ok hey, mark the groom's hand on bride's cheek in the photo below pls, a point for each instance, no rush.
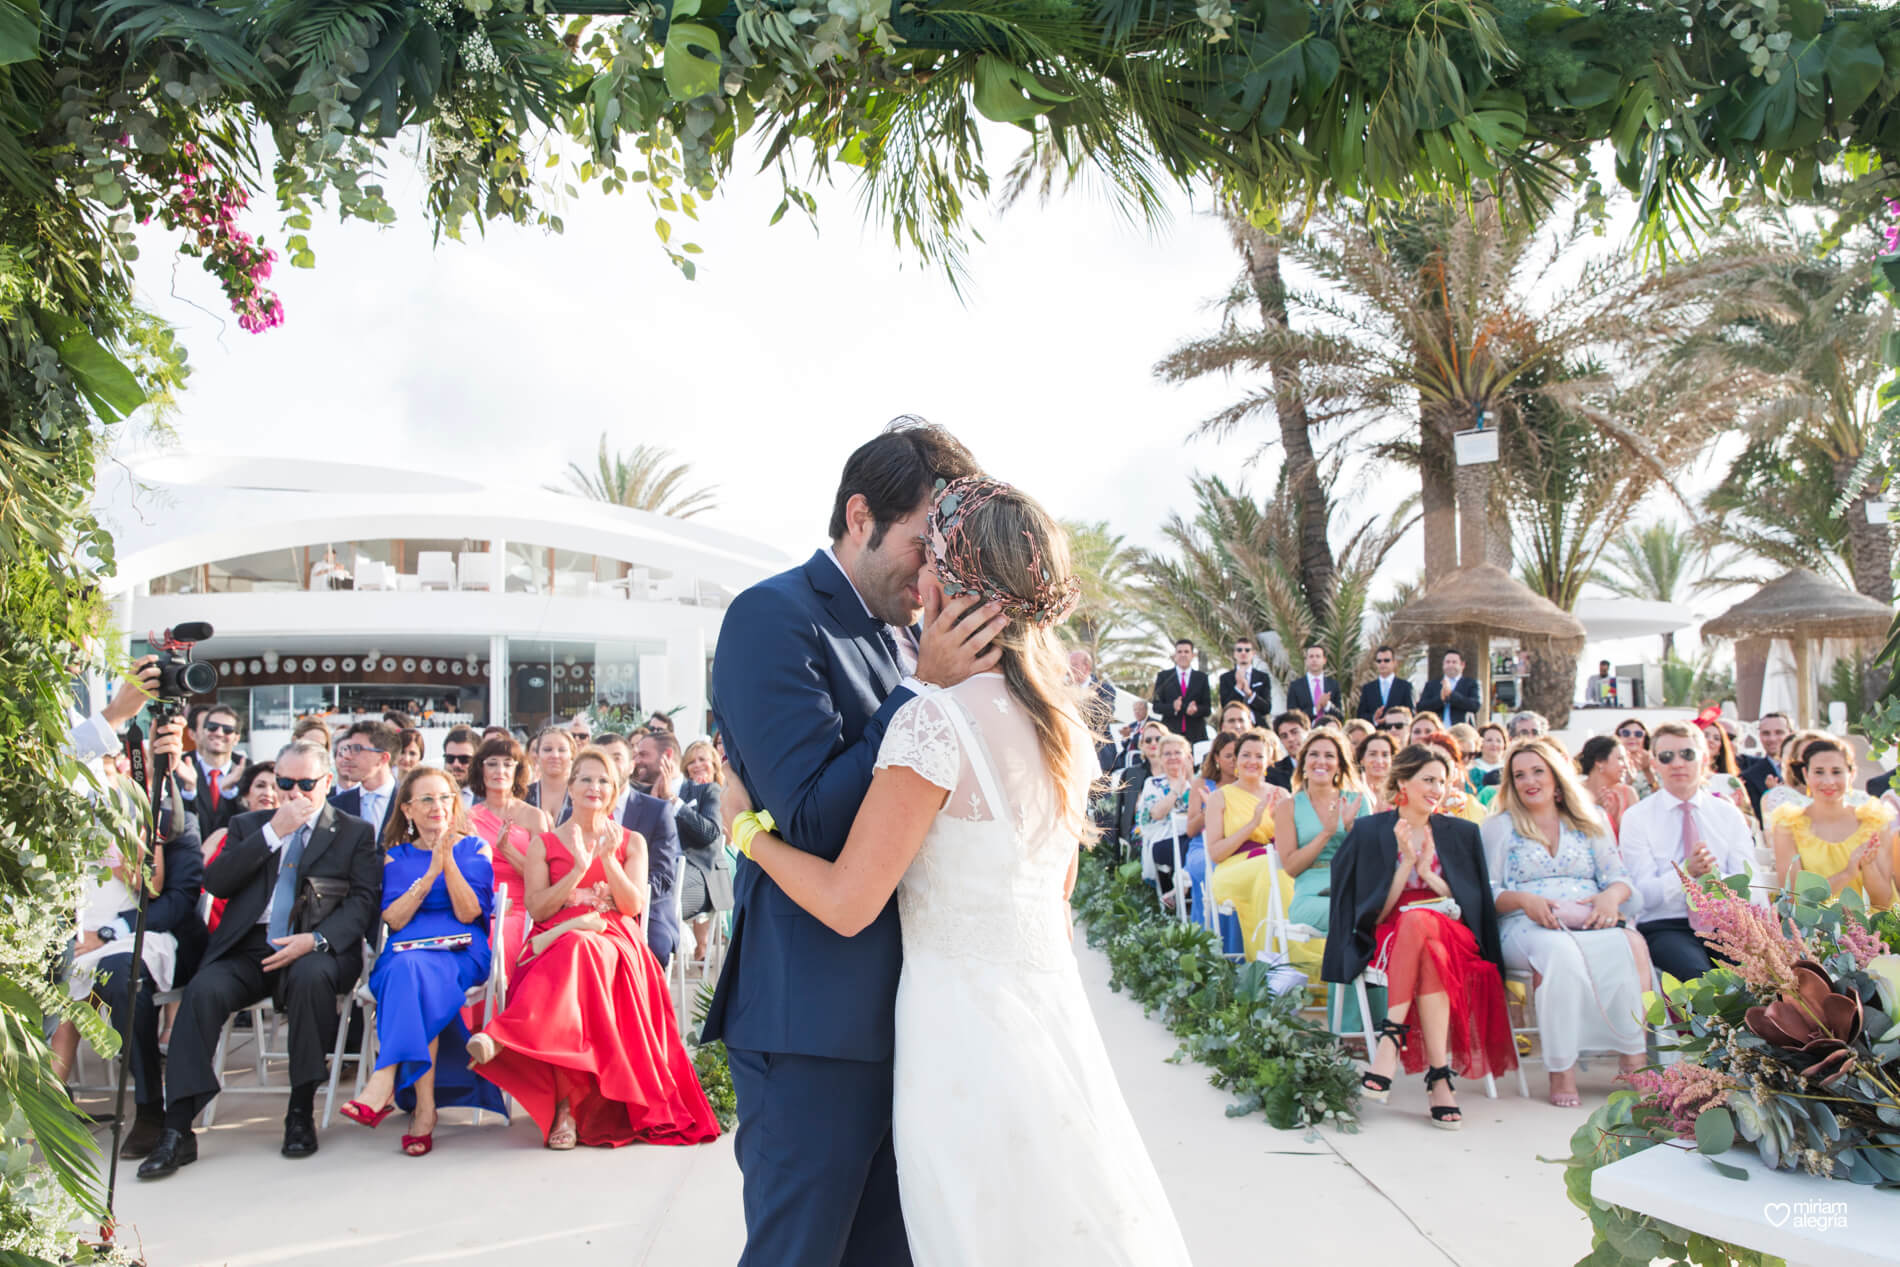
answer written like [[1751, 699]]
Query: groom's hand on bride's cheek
[[957, 642]]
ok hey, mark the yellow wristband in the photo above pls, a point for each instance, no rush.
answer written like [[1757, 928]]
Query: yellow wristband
[[748, 825]]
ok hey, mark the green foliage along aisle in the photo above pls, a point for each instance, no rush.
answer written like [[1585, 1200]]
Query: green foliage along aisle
[[1253, 1041]]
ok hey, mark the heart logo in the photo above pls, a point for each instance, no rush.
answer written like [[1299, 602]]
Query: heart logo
[[1777, 1212]]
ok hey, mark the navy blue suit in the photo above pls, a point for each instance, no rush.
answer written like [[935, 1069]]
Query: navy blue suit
[[653, 819], [803, 686], [351, 803]]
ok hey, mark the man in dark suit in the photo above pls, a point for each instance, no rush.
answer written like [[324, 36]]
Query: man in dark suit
[[1181, 696], [1763, 772], [811, 666], [210, 777], [173, 910], [367, 753], [1387, 690], [1290, 729], [1247, 683], [303, 885], [1454, 697], [652, 809], [1315, 693]]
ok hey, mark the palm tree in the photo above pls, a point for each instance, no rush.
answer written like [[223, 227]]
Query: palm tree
[[1652, 562], [1807, 314], [644, 477], [1236, 568], [1106, 622]]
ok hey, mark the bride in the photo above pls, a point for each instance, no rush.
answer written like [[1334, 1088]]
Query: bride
[[1013, 1142]]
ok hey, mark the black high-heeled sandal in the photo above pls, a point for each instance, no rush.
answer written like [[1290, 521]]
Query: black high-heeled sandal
[[1446, 1117], [1376, 1086]]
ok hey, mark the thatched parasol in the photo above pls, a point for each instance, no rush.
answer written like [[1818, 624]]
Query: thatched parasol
[[1801, 607], [1473, 604]]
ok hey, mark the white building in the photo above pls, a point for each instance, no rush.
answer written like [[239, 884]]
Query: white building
[[344, 591]]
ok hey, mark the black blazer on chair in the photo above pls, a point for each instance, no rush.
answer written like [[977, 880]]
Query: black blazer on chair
[[1362, 876]]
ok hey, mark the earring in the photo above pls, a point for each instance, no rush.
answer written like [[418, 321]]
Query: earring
[[1403, 798]]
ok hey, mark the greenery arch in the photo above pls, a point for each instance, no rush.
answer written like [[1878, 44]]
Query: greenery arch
[[116, 110]]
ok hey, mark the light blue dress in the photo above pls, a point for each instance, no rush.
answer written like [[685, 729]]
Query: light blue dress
[[1590, 997], [1312, 902]]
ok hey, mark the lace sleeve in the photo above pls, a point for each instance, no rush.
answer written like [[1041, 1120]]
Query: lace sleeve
[[922, 739]]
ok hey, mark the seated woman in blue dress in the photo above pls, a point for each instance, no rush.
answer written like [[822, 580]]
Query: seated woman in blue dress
[[438, 890]]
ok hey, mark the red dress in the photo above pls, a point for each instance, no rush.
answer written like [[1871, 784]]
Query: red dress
[[1479, 1040], [590, 1019]]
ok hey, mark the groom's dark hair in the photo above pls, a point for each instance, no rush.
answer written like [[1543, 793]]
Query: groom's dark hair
[[897, 470]]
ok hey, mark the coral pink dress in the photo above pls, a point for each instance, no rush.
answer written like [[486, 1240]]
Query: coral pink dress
[[513, 934], [590, 1020]]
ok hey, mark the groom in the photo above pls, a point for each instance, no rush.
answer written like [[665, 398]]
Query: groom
[[811, 666]]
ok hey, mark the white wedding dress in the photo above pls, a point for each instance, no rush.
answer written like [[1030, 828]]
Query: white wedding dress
[[1014, 1145]]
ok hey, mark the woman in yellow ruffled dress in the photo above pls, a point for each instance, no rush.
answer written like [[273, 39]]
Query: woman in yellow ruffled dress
[[1240, 840], [1849, 846]]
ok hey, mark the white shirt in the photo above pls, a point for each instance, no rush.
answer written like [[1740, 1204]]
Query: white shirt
[[1243, 681], [1652, 847], [906, 648]]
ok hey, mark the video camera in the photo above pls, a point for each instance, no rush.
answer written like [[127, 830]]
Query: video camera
[[180, 676]]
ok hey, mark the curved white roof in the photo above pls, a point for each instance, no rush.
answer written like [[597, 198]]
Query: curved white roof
[[170, 511]]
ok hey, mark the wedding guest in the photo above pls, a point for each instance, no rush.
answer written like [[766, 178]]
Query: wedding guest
[[1098, 704], [1423, 727], [1452, 697], [367, 754], [1851, 847], [1397, 722], [1724, 771], [1289, 729], [256, 790], [458, 758], [1134, 778], [1764, 772], [1526, 724], [312, 729], [507, 824], [587, 1042], [208, 779], [1560, 887], [1308, 828], [1216, 772], [1605, 771], [1387, 690], [1181, 695], [580, 729], [1355, 730], [1374, 756], [706, 869], [410, 750], [1455, 801], [1248, 685], [553, 754], [1236, 718], [1411, 893], [1644, 778], [1163, 815], [650, 807], [1681, 825], [1470, 748], [1240, 838], [1315, 693], [438, 893], [283, 935]]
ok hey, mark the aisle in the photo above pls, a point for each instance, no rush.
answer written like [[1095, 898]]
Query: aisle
[[1398, 1191]]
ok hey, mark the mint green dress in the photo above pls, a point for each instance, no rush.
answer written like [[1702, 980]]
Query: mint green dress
[[1313, 888]]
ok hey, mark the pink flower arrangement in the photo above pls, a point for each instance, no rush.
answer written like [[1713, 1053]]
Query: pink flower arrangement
[[1683, 1092], [1859, 940], [1893, 230], [205, 206], [1749, 936]]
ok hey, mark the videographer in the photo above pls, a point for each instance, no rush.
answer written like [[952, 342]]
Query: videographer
[[95, 732]]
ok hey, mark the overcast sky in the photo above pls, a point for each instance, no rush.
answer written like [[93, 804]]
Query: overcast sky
[[504, 358]]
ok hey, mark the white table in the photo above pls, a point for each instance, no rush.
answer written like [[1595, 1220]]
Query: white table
[[1802, 1218]]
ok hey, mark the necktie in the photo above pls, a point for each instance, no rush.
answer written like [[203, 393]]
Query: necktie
[[1449, 688], [1688, 831], [211, 779], [1183, 683], [284, 895], [890, 644]]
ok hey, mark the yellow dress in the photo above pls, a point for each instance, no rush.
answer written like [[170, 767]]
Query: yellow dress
[[1242, 880], [1468, 807], [1827, 857]]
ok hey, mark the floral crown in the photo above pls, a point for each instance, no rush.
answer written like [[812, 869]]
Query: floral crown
[[960, 565]]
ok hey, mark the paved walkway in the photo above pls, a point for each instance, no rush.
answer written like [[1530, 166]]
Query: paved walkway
[[1398, 1191]]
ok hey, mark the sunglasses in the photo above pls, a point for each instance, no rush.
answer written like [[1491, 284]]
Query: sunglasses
[[220, 728], [308, 785], [1395, 726], [1685, 755], [1631, 732], [461, 760]]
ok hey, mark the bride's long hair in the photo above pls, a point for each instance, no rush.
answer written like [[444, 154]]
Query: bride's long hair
[[1023, 551]]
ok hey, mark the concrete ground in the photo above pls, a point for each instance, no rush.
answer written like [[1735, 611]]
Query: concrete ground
[[1398, 1191]]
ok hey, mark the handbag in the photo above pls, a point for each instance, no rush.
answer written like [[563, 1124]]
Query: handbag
[[317, 899], [1575, 913], [1446, 906]]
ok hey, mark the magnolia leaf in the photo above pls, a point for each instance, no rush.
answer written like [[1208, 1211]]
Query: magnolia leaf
[[688, 71]]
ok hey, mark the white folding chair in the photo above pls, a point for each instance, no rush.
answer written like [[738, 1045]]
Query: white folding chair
[[264, 1025], [1374, 976], [435, 570], [1528, 1008], [676, 962]]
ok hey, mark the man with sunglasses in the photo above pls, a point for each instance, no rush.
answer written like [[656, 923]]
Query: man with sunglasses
[[1680, 825], [209, 782], [458, 757], [1396, 721], [303, 884], [1247, 683], [1385, 692]]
